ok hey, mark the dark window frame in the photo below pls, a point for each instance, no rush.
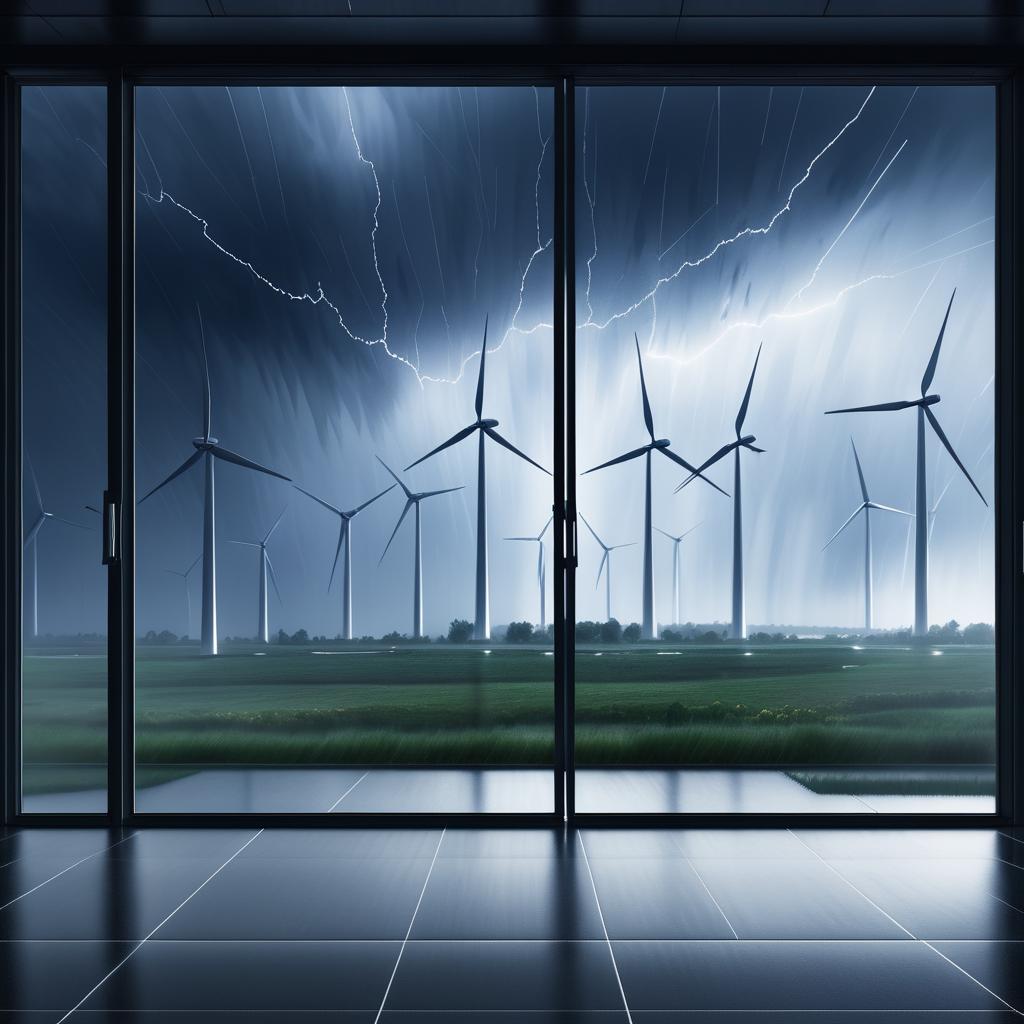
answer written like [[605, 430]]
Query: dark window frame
[[264, 67]]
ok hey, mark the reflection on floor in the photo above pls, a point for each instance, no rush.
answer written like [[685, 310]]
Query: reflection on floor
[[518, 926], [523, 791]]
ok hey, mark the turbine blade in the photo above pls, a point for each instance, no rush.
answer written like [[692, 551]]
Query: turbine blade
[[860, 508], [480, 378], [889, 508], [495, 436], [92, 508], [446, 490], [628, 544], [187, 464], [690, 530], [34, 529], [240, 460], [949, 448], [533, 539], [860, 472], [664, 533], [197, 560], [648, 415], [246, 543], [277, 522], [207, 400], [746, 395], [929, 373], [408, 504], [593, 532], [273, 577], [882, 407], [35, 481], [359, 508], [454, 439], [752, 447], [634, 454], [337, 551], [540, 536], [600, 568], [696, 472], [320, 501], [68, 522], [408, 493]]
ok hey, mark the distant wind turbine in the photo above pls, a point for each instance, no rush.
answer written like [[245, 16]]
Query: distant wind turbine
[[412, 500], [738, 630], [649, 625], [208, 448], [676, 540], [924, 414], [482, 621], [606, 562], [266, 568], [31, 547], [539, 541], [188, 597], [865, 506], [344, 538]]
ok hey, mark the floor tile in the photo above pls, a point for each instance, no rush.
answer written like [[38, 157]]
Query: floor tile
[[251, 976], [777, 899], [176, 843], [63, 844], [345, 843], [505, 1017], [53, 976], [793, 976], [656, 898], [912, 844], [999, 966], [508, 898], [742, 844], [825, 1017], [630, 842], [938, 899], [493, 976], [510, 842], [312, 899]]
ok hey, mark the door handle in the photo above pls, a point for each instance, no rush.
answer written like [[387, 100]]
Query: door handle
[[111, 534]]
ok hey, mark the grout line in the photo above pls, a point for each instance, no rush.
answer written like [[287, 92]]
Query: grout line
[[139, 945], [924, 942], [347, 791], [700, 878], [82, 860], [408, 932], [604, 927]]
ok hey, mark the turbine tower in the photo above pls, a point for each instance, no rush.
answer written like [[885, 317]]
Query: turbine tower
[[208, 449], [676, 540], [31, 548], [266, 568], [649, 625], [344, 538], [539, 541], [412, 500], [924, 416], [865, 506], [188, 597], [738, 629], [606, 560], [485, 427]]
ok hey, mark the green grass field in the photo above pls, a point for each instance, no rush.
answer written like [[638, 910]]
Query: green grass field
[[806, 703]]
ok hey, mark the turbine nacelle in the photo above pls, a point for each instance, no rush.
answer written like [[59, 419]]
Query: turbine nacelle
[[204, 444], [486, 423]]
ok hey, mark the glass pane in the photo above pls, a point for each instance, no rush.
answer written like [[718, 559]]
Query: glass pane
[[64, 452], [814, 639], [306, 634]]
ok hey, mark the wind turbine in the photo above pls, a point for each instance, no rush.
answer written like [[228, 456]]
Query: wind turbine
[[266, 567], [924, 415], [485, 427], [207, 449], [31, 547], [865, 506], [606, 560], [738, 631], [539, 541], [188, 598], [649, 626], [676, 540], [412, 500], [344, 538]]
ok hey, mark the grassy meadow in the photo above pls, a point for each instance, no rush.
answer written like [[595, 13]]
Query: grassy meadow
[[802, 704]]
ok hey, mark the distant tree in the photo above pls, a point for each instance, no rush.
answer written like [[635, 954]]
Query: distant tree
[[460, 631], [587, 632], [393, 637], [519, 632], [947, 634], [549, 632], [300, 636], [710, 637], [631, 634], [672, 636], [979, 633], [611, 632], [282, 637]]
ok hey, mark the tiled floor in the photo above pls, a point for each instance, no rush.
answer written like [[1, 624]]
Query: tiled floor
[[512, 926]]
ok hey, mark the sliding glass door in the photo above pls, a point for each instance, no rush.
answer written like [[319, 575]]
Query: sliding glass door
[[785, 351], [343, 517]]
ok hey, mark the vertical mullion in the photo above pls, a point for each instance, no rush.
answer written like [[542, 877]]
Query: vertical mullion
[[569, 142], [12, 460], [558, 477], [120, 444]]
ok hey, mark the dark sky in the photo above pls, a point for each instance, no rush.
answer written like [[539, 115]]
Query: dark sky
[[344, 248]]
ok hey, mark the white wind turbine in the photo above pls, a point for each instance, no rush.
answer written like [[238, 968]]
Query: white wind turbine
[[541, 582], [183, 576], [344, 540], [676, 541], [266, 569], [865, 506], [208, 449], [606, 564]]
